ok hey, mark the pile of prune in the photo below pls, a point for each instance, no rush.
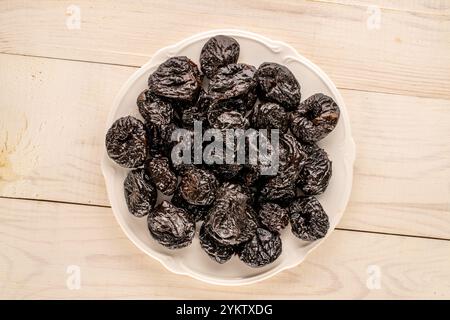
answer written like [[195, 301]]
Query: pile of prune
[[236, 208]]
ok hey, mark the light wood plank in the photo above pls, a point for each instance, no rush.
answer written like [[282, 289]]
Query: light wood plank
[[408, 54], [40, 240], [439, 7], [52, 127]]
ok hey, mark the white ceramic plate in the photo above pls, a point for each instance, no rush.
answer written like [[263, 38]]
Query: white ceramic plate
[[192, 261]]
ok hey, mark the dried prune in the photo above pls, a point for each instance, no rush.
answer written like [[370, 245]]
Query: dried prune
[[197, 212], [140, 192], [231, 220], [159, 171], [178, 78], [282, 187], [315, 118], [308, 219], [316, 172], [230, 120], [249, 175], [269, 116], [171, 226], [218, 252], [292, 157], [273, 217], [234, 85], [126, 142], [160, 138], [226, 172], [278, 189], [218, 52], [276, 83], [154, 110], [198, 186], [196, 112], [264, 248]]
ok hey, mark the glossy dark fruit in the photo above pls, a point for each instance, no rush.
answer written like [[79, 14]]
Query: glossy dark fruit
[[225, 172], [273, 216], [126, 142], [316, 172], [232, 82], [161, 174], [140, 192], [197, 212], [218, 52], [172, 227], [308, 219], [178, 78], [230, 120], [264, 248], [160, 138], [241, 104], [218, 252], [197, 111], [249, 175], [231, 220], [292, 156], [280, 189], [154, 110], [198, 186], [269, 116], [315, 118], [276, 83]]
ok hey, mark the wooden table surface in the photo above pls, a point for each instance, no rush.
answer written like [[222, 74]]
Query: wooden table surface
[[62, 63]]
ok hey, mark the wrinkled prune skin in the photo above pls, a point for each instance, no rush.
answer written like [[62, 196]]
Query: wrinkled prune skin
[[282, 187], [235, 81], [308, 219], [154, 110], [161, 174], [231, 220], [160, 138], [315, 118], [292, 157], [197, 212], [178, 78], [269, 116], [231, 120], [264, 248], [140, 192], [172, 227], [218, 52], [273, 216], [198, 186], [240, 104], [126, 142], [316, 172], [279, 189], [196, 112], [226, 172], [218, 252], [276, 83]]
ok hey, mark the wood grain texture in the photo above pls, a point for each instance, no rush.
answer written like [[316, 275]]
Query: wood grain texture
[[40, 240], [52, 135], [407, 55], [438, 7]]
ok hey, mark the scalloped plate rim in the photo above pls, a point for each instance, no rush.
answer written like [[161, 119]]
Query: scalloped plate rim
[[168, 262]]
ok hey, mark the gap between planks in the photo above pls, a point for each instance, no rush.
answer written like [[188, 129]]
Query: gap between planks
[[337, 228]]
